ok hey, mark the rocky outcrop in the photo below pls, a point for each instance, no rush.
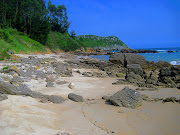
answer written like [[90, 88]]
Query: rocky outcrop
[[75, 97], [126, 98], [127, 59], [170, 76], [7, 88], [135, 68]]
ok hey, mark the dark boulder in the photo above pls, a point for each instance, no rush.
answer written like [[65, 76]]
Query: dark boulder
[[135, 68], [50, 84], [171, 99], [117, 58], [126, 98], [106, 98], [75, 97], [127, 59], [56, 99]]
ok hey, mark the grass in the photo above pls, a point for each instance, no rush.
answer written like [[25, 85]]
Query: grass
[[64, 42], [4, 68], [13, 41]]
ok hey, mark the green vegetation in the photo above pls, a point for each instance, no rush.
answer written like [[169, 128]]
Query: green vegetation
[[31, 17], [98, 41], [12, 41], [64, 42], [28, 26], [4, 68]]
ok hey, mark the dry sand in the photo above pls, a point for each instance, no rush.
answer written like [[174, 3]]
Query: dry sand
[[20, 115]]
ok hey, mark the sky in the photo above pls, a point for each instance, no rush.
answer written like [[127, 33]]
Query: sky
[[138, 23]]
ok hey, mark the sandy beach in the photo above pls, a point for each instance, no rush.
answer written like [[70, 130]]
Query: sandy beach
[[23, 115]]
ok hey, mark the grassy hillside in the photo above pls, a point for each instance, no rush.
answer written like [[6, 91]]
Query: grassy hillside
[[98, 41], [64, 42], [13, 41]]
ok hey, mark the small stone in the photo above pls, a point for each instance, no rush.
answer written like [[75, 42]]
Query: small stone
[[50, 84], [75, 97], [71, 86], [61, 82]]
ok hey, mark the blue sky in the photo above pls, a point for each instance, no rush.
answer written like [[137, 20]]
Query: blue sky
[[138, 23]]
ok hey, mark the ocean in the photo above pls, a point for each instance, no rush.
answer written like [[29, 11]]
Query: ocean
[[163, 55]]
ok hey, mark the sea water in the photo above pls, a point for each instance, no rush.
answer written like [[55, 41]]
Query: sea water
[[162, 55]]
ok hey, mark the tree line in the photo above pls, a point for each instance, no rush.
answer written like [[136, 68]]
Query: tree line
[[34, 18]]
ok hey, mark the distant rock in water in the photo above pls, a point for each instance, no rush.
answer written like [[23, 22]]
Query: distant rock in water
[[128, 50], [170, 51]]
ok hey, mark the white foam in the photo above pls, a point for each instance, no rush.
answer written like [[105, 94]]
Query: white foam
[[175, 62]]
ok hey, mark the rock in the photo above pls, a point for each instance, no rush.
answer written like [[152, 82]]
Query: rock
[[99, 74], [75, 97], [50, 78], [68, 73], [71, 86], [128, 50], [50, 84], [56, 99], [3, 97], [85, 74], [79, 72], [34, 61], [120, 75], [146, 89], [119, 82], [63, 133], [61, 82], [1, 79], [146, 98], [117, 58], [6, 77], [43, 100], [106, 98], [127, 59], [171, 99], [126, 98], [135, 68], [7, 88], [16, 80], [134, 78]]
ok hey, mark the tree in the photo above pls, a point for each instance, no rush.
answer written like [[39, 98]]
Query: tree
[[73, 34], [58, 17]]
